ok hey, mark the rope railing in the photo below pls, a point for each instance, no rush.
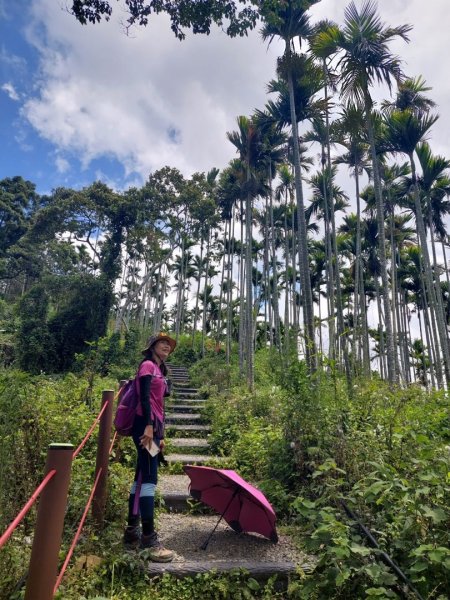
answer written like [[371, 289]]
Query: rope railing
[[89, 433], [26, 508], [77, 534], [113, 442], [21, 515], [52, 506]]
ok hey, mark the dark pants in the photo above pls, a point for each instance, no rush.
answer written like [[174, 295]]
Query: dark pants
[[146, 464], [145, 480]]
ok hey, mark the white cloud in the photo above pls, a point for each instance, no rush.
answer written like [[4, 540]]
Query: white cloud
[[62, 165], [147, 100], [10, 90]]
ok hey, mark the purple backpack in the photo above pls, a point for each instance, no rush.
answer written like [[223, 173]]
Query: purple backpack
[[126, 409]]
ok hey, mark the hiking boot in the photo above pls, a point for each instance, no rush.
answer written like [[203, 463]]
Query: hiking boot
[[131, 536], [155, 550]]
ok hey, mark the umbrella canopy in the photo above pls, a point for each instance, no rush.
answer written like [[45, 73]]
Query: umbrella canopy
[[244, 507]]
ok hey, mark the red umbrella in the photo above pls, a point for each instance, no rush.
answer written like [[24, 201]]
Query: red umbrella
[[243, 506]]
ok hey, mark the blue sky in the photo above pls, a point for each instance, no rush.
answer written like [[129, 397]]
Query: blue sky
[[84, 103], [25, 150]]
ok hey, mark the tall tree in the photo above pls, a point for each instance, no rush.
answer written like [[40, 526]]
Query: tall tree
[[404, 131], [289, 21], [365, 59], [248, 142]]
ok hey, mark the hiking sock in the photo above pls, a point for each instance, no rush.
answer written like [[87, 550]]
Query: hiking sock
[[147, 507]]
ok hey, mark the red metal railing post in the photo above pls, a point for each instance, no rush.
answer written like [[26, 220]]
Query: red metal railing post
[[104, 438], [49, 525]]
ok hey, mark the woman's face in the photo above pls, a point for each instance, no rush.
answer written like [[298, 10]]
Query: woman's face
[[162, 349]]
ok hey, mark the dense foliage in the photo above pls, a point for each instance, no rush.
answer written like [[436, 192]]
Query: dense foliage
[[315, 451]]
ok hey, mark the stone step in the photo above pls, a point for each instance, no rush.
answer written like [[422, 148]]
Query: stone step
[[174, 490], [189, 443], [188, 390], [184, 394], [193, 459], [190, 400], [182, 400], [178, 430], [186, 408], [182, 445], [187, 401], [174, 418], [184, 534]]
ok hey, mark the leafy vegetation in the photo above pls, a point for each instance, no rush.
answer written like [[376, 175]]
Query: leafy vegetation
[[316, 451], [322, 457], [320, 336]]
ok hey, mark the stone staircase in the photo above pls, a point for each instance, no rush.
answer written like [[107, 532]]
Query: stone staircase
[[186, 428], [182, 529]]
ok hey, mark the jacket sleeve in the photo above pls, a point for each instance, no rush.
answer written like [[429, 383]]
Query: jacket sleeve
[[145, 383]]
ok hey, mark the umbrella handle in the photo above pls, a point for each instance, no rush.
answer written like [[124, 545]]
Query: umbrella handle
[[208, 539]]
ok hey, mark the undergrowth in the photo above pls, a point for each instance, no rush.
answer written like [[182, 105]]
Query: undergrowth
[[328, 460]]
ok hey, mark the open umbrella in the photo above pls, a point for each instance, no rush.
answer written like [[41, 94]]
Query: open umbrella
[[242, 505]]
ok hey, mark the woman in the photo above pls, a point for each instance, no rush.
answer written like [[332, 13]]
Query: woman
[[148, 426]]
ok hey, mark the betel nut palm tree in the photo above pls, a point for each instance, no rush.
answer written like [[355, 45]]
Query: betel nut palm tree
[[289, 21], [350, 134], [404, 130], [248, 141], [365, 59]]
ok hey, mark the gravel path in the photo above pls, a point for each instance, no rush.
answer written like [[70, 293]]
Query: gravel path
[[184, 534]]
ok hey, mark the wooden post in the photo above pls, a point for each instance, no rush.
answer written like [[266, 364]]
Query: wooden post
[[104, 440], [43, 567]]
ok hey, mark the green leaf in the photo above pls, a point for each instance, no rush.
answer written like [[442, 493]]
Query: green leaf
[[380, 592], [437, 515], [361, 550], [253, 584], [375, 488], [342, 577], [419, 566]]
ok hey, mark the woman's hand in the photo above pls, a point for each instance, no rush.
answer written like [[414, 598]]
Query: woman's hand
[[162, 445], [147, 437]]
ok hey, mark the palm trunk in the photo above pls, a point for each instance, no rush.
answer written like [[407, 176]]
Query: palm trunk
[[445, 262], [305, 281], [435, 299], [286, 267], [230, 293], [266, 276], [383, 369], [197, 296], [242, 349], [294, 277], [219, 316], [330, 242], [392, 374], [274, 273], [249, 288], [360, 297], [205, 294]]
